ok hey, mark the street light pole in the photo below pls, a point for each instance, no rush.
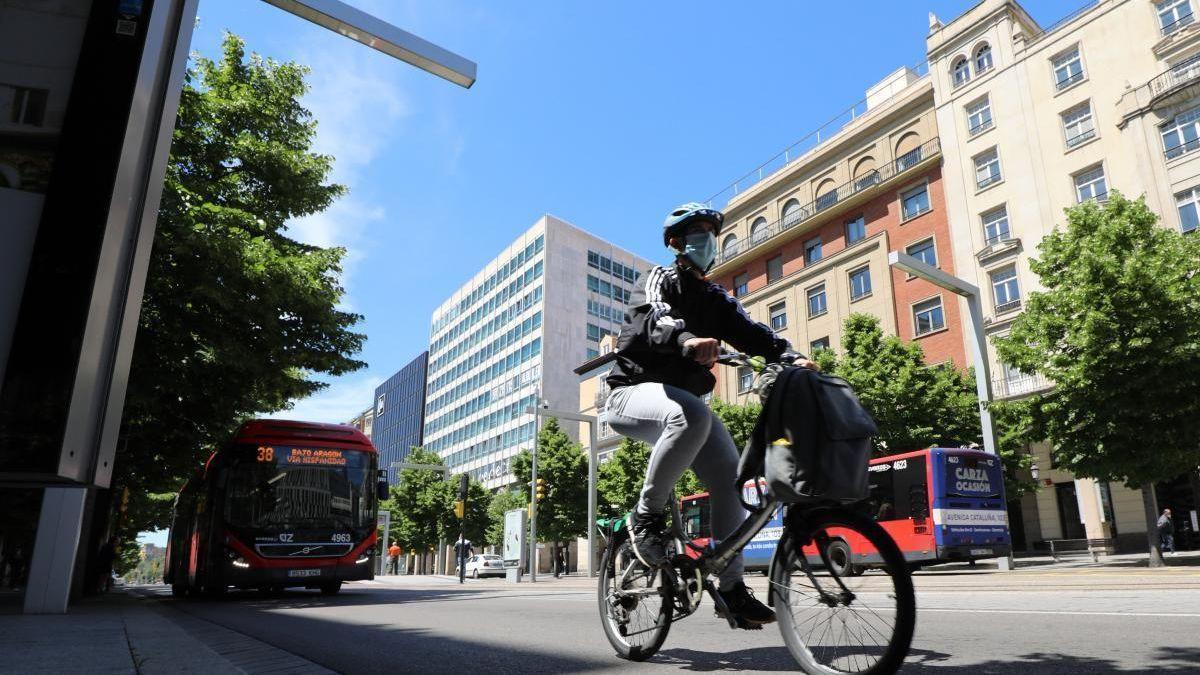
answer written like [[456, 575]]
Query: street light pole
[[970, 292], [592, 462], [983, 380]]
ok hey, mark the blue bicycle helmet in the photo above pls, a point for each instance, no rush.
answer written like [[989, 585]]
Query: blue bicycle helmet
[[683, 215]]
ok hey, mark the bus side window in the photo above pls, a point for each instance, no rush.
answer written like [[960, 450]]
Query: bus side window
[[918, 501]]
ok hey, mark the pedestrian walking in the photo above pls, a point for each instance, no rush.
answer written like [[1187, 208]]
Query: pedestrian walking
[[1166, 531], [562, 560], [393, 566]]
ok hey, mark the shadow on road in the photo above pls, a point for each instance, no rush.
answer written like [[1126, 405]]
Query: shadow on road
[[338, 639]]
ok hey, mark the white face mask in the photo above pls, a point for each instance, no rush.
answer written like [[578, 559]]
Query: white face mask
[[701, 249]]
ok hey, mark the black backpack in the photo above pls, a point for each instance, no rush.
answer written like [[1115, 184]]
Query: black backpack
[[812, 442]]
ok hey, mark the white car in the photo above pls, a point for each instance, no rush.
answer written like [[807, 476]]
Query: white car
[[485, 565]]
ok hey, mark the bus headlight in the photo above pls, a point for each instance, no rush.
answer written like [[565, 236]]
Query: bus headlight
[[240, 562], [363, 559]]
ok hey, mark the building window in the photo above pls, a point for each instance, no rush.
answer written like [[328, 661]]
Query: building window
[[1068, 69], [924, 251], [860, 282], [740, 283], [856, 230], [25, 106], [983, 59], [995, 226], [1005, 290], [778, 313], [979, 116], [379, 404], [1173, 15], [928, 317], [792, 213], [592, 353], [914, 202], [1090, 185], [1181, 134], [1189, 219], [1078, 124], [818, 345], [987, 168], [816, 301], [775, 269], [758, 232], [745, 379], [730, 247], [595, 333], [962, 71], [812, 250]]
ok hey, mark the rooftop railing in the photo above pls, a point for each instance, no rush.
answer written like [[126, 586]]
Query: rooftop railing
[[826, 200], [800, 148]]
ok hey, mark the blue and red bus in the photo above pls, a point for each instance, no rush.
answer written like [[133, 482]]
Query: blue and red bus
[[282, 504], [939, 504]]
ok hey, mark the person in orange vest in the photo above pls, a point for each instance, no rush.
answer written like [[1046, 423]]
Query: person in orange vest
[[393, 565]]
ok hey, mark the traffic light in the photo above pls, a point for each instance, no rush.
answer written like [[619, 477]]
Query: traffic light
[[459, 509], [541, 489]]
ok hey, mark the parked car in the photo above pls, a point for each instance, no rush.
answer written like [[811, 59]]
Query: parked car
[[485, 565]]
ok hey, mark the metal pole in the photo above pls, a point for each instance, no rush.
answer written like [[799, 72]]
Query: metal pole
[[533, 506], [983, 381], [591, 521]]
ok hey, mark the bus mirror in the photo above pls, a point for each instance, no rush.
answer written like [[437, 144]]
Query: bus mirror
[[381, 490]]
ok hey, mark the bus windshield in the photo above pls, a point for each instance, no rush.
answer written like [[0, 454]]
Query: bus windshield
[[276, 487]]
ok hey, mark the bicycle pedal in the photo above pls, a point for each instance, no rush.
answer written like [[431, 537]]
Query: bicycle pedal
[[748, 625]]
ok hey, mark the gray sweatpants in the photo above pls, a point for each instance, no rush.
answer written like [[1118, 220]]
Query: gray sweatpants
[[683, 432]]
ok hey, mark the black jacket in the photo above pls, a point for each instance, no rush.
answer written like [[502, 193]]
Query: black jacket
[[669, 307]]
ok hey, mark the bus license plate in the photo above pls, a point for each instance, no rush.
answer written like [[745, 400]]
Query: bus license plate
[[981, 551], [304, 573]]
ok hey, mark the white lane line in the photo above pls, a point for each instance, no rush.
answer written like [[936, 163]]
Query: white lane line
[[921, 610]]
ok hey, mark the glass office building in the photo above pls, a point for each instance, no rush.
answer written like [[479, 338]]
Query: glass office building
[[399, 413]]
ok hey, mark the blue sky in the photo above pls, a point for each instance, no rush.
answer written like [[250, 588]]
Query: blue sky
[[605, 114]]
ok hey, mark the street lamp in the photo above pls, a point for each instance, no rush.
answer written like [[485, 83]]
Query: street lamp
[[546, 411], [380, 35], [970, 293]]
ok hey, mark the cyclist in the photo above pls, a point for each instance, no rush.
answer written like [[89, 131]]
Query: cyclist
[[664, 357]]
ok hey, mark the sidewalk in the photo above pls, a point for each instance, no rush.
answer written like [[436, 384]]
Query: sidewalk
[[122, 633]]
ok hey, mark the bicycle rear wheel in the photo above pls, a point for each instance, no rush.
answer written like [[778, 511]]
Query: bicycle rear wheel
[[635, 603], [833, 622]]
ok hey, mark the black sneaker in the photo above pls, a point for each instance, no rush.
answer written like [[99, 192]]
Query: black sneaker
[[746, 608], [648, 540]]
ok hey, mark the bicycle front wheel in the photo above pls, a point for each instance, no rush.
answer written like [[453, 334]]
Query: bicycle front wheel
[[635, 603], [832, 621]]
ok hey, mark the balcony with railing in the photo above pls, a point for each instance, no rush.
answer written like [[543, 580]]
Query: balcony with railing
[[1017, 385], [1167, 86], [906, 162], [998, 244], [801, 148]]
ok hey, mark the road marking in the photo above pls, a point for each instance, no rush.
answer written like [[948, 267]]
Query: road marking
[[1175, 615]]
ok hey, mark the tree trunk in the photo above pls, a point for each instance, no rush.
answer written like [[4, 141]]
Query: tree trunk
[[1150, 506]]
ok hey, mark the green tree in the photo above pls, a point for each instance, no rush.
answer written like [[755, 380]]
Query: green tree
[[419, 503], [916, 405], [237, 316], [619, 480], [562, 515], [1117, 330], [503, 502], [738, 419]]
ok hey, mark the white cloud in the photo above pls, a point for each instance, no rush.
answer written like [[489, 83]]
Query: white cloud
[[338, 403]]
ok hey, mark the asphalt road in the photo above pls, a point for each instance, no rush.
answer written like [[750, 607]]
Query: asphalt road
[[1069, 622]]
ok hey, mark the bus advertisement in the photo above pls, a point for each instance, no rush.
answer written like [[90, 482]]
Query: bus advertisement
[[283, 504], [938, 504]]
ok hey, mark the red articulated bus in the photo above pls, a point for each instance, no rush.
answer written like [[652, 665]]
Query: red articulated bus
[[282, 504]]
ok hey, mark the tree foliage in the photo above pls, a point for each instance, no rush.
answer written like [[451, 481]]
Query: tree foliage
[[562, 515], [1117, 330], [502, 502], [619, 480], [739, 420], [237, 316], [422, 506]]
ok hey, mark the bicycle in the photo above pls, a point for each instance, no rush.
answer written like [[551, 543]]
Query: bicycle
[[811, 574]]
